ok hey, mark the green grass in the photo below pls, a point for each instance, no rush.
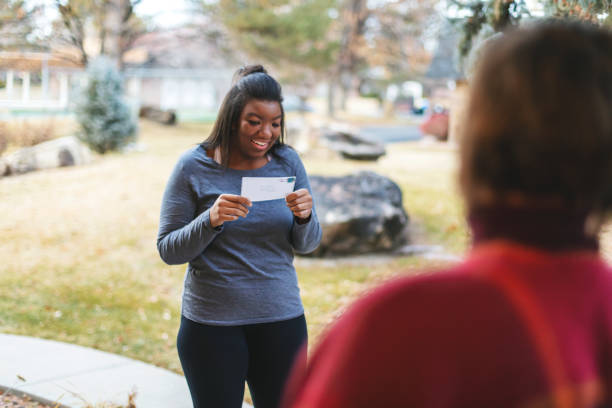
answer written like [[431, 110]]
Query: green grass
[[427, 178], [327, 289], [79, 262]]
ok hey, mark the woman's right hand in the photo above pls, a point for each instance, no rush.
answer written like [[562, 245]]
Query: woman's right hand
[[228, 207]]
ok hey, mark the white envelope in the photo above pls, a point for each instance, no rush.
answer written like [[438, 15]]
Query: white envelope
[[266, 188]]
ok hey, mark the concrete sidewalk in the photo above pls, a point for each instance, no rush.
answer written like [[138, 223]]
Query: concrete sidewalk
[[76, 376]]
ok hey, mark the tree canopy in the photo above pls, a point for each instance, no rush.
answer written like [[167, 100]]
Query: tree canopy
[[16, 24], [291, 36], [486, 17], [108, 24], [336, 40]]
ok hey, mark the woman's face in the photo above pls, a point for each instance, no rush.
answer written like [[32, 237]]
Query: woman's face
[[258, 129]]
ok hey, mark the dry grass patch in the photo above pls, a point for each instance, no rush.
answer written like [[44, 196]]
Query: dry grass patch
[[79, 257], [19, 133], [79, 262]]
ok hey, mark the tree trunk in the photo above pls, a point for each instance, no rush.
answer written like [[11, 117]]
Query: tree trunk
[[331, 88], [354, 16], [346, 80], [113, 23]]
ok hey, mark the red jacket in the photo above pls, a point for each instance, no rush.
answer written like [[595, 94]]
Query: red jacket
[[511, 326]]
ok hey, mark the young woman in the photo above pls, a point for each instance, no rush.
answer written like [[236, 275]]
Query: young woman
[[242, 316], [526, 319]]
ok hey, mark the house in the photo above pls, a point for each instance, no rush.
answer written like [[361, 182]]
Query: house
[[179, 69], [36, 80]]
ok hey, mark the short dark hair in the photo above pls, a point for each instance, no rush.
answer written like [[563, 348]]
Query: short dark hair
[[249, 82], [539, 120]]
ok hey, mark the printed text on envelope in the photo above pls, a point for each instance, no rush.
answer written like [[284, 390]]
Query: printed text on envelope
[[266, 188]]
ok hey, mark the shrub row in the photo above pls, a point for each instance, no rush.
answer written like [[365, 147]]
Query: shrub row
[[25, 133]]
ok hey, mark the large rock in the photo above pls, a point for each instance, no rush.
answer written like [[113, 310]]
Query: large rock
[[165, 117], [61, 152], [359, 213], [352, 146], [4, 168]]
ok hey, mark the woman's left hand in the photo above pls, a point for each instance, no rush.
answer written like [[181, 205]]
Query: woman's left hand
[[300, 203]]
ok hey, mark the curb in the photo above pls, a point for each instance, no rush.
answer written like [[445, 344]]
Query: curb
[[12, 391]]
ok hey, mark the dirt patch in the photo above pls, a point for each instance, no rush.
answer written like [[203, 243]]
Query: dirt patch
[[19, 400]]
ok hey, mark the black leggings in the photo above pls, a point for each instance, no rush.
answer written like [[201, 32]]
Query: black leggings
[[217, 360]]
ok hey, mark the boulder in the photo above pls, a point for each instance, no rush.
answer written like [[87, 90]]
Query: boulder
[[4, 168], [61, 152], [353, 146], [165, 117], [359, 213]]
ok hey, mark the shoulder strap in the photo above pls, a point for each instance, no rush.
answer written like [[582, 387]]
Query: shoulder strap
[[542, 335]]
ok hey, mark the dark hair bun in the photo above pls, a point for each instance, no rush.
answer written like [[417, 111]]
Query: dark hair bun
[[248, 70]]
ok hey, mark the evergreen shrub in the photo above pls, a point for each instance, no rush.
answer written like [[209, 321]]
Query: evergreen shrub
[[3, 138], [104, 116]]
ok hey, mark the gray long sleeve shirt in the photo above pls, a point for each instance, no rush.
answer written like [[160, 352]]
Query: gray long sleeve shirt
[[241, 272]]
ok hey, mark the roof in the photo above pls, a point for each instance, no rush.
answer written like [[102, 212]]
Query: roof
[[34, 61], [185, 47], [444, 64]]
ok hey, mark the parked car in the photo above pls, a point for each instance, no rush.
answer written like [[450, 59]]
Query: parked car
[[436, 125]]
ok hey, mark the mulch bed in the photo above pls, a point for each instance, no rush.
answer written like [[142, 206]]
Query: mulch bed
[[11, 400]]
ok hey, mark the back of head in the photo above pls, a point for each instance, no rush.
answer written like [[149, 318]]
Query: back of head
[[253, 82], [249, 82], [539, 121]]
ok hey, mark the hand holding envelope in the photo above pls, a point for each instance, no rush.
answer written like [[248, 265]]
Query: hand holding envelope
[[228, 207], [274, 188], [266, 188], [300, 203]]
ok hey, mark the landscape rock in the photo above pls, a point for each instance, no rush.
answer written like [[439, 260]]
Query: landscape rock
[[353, 146], [4, 168], [61, 152], [359, 213], [165, 117]]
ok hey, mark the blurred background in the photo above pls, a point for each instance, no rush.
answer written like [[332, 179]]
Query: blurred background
[[98, 98]]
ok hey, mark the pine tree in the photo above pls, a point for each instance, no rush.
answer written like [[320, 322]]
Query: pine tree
[[334, 40], [281, 32], [105, 119], [487, 17]]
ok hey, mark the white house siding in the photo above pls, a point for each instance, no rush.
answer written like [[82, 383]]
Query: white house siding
[[178, 89]]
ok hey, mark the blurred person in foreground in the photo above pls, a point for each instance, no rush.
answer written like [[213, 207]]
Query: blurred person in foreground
[[242, 315], [526, 319]]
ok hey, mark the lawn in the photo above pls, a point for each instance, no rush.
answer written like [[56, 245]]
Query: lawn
[[79, 262]]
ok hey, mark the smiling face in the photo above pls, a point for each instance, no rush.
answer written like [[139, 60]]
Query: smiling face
[[259, 127]]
